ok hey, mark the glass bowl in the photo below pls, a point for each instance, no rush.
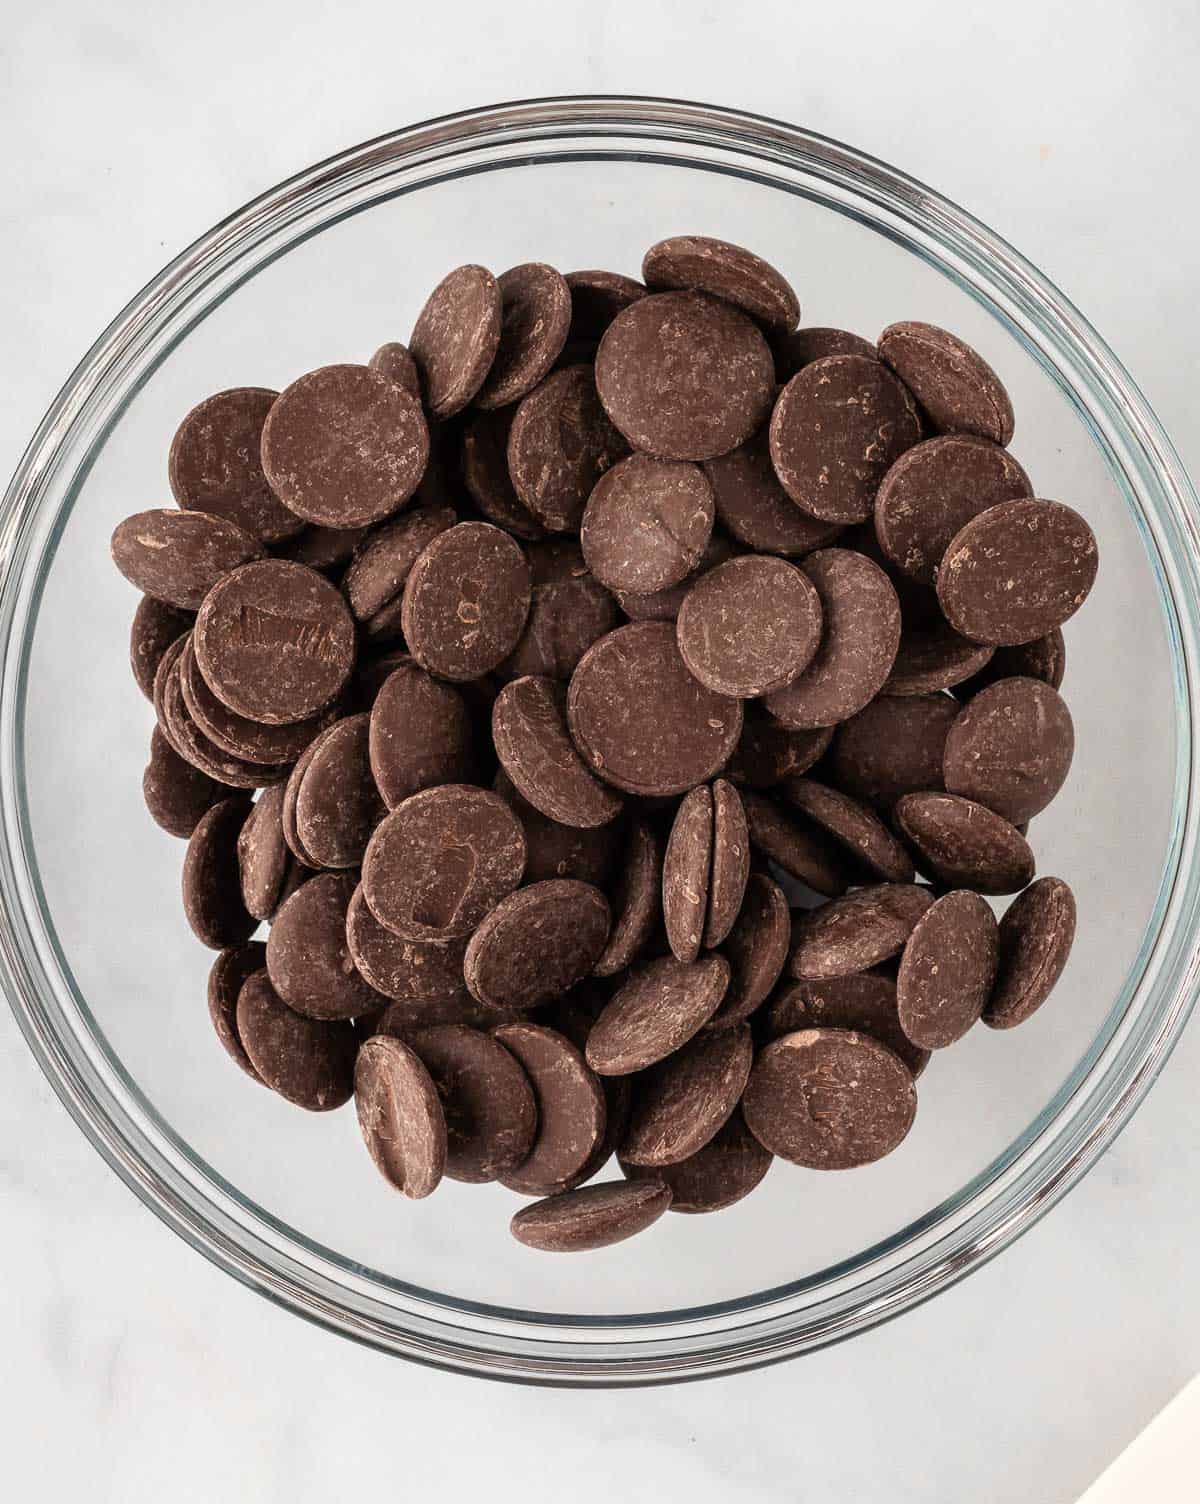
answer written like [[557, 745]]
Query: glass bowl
[[108, 984]]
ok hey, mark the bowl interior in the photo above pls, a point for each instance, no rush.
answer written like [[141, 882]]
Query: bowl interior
[[110, 878]]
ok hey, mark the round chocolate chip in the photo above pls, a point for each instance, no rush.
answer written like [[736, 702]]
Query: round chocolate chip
[[684, 376], [936, 488], [274, 641], [572, 1018], [571, 1109], [829, 1099], [308, 1061], [193, 746], [422, 974], [344, 446], [420, 735], [323, 548], [686, 871], [725, 1170], [1017, 571], [490, 1112], [569, 611], [933, 657], [803, 853], [441, 861], [229, 971], [752, 505], [853, 826], [395, 361], [947, 970], [537, 944], [593, 1216], [656, 1011], [663, 605], [861, 637], [837, 427], [383, 559], [307, 955], [297, 875], [865, 1002], [800, 347], [964, 844], [536, 314], [237, 735], [750, 627], [372, 673], [680, 1103], [554, 850], [756, 949], [177, 557], [485, 474], [647, 524], [400, 1115], [636, 901], [1011, 748], [264, 859], [529, 728], [403, 1019], [730, 863], [728, 272], [857, 931], [894, 746], [660, 743], [212, 894], [466, 600], [215, 464], [560, 444], [918, 603], [386, 628], [164, 674], [769, 751], [1035, 940], [176, 793], [953, 383], [455, 338], [1045, 658], [291, 793], [337, 803], [154, 628], [596, 299]]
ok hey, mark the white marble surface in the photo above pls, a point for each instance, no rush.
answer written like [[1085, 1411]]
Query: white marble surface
[[134, 1371]]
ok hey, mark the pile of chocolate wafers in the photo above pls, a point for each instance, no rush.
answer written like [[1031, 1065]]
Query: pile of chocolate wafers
[[620, 702]]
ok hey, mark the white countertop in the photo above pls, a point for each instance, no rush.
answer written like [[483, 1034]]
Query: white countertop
[[132, 1369]]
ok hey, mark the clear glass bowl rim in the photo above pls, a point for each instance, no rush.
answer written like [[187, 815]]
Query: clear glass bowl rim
[[920, 1260]]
